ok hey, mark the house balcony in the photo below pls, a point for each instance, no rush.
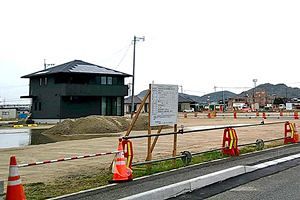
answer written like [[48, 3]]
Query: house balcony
[[93, 90]]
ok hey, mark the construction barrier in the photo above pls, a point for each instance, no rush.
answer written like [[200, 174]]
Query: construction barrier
[[15, 190], [209, 115], [230, 142], [18, 126], [296, 116], [240, 115], [21, 125], [120, 171], [293, 137], [234, 115]]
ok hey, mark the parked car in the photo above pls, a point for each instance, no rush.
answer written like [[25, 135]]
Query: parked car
[[188, 110]]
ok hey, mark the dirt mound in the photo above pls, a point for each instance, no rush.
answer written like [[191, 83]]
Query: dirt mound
[[97, 125]]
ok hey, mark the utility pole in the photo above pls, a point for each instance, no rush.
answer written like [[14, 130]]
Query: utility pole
[[135, 39], [181, 88], [254, 81]]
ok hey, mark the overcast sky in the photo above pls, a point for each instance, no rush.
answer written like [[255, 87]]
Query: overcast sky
[[196, 44]]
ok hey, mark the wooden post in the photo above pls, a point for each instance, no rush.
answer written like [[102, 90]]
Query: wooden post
[[175, 142], [138, 113], [155, 139], [149, 153]]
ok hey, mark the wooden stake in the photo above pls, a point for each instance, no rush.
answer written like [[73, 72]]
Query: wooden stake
[[155, 139], [175, 142], [149, 153], [138, 113]]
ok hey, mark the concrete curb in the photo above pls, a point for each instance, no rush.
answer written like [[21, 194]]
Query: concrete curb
[[189, 185], [202, 181]]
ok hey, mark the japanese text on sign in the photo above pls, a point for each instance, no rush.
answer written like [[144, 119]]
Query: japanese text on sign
[[164, 104]]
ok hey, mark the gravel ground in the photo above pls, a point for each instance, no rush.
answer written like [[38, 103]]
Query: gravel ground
[[194, 142]]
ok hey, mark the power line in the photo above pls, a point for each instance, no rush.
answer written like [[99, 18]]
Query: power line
[[125, 54], [115, 53]]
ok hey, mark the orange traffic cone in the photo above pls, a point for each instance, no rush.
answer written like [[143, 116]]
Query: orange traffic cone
[[15, 189], [121, 172]]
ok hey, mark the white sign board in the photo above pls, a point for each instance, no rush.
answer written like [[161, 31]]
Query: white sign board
[[164, 104], [289, 106]]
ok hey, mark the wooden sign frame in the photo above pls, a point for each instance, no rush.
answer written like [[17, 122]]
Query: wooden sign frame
[[150, 144]]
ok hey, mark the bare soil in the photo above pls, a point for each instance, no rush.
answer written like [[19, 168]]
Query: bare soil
[[194, 142], [96, 125]]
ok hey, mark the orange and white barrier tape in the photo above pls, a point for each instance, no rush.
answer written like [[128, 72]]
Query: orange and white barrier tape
[[66, 159]]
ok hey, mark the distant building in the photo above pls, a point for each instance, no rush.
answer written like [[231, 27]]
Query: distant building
[[137, 103], [185, 103], [8, 113], [76, 89]]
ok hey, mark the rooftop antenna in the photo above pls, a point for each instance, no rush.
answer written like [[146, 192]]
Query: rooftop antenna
[[47, 65]]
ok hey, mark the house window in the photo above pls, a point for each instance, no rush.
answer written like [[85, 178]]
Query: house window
[[40, 106], [103, 106], [35, 105], [5, 113], [41, 80], [103, 80], [46, 81], [119, 106], [109, 80]]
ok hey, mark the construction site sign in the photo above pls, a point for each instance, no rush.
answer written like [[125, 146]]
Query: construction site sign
[[164, 104]]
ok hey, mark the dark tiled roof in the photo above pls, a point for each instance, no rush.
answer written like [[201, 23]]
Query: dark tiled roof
[[182, 99], [77, 66], [137, 100]]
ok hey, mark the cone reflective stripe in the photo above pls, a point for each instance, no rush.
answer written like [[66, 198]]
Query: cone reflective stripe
[[14, 183], [292, 129], [13, 171], [15, 189], [231, 139]]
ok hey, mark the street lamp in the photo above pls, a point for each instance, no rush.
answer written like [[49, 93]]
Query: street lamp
[[135, 39]]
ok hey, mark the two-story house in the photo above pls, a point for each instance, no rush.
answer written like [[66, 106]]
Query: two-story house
[[76, 89]]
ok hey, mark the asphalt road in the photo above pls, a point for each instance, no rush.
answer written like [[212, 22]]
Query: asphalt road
[[137, 186], [276, 182], [282, 185]]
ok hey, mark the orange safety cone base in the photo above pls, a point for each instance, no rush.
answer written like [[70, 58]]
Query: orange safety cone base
[[15, 193]]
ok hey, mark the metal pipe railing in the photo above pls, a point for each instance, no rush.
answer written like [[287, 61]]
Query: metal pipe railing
[[198, 153], [181, 131]]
